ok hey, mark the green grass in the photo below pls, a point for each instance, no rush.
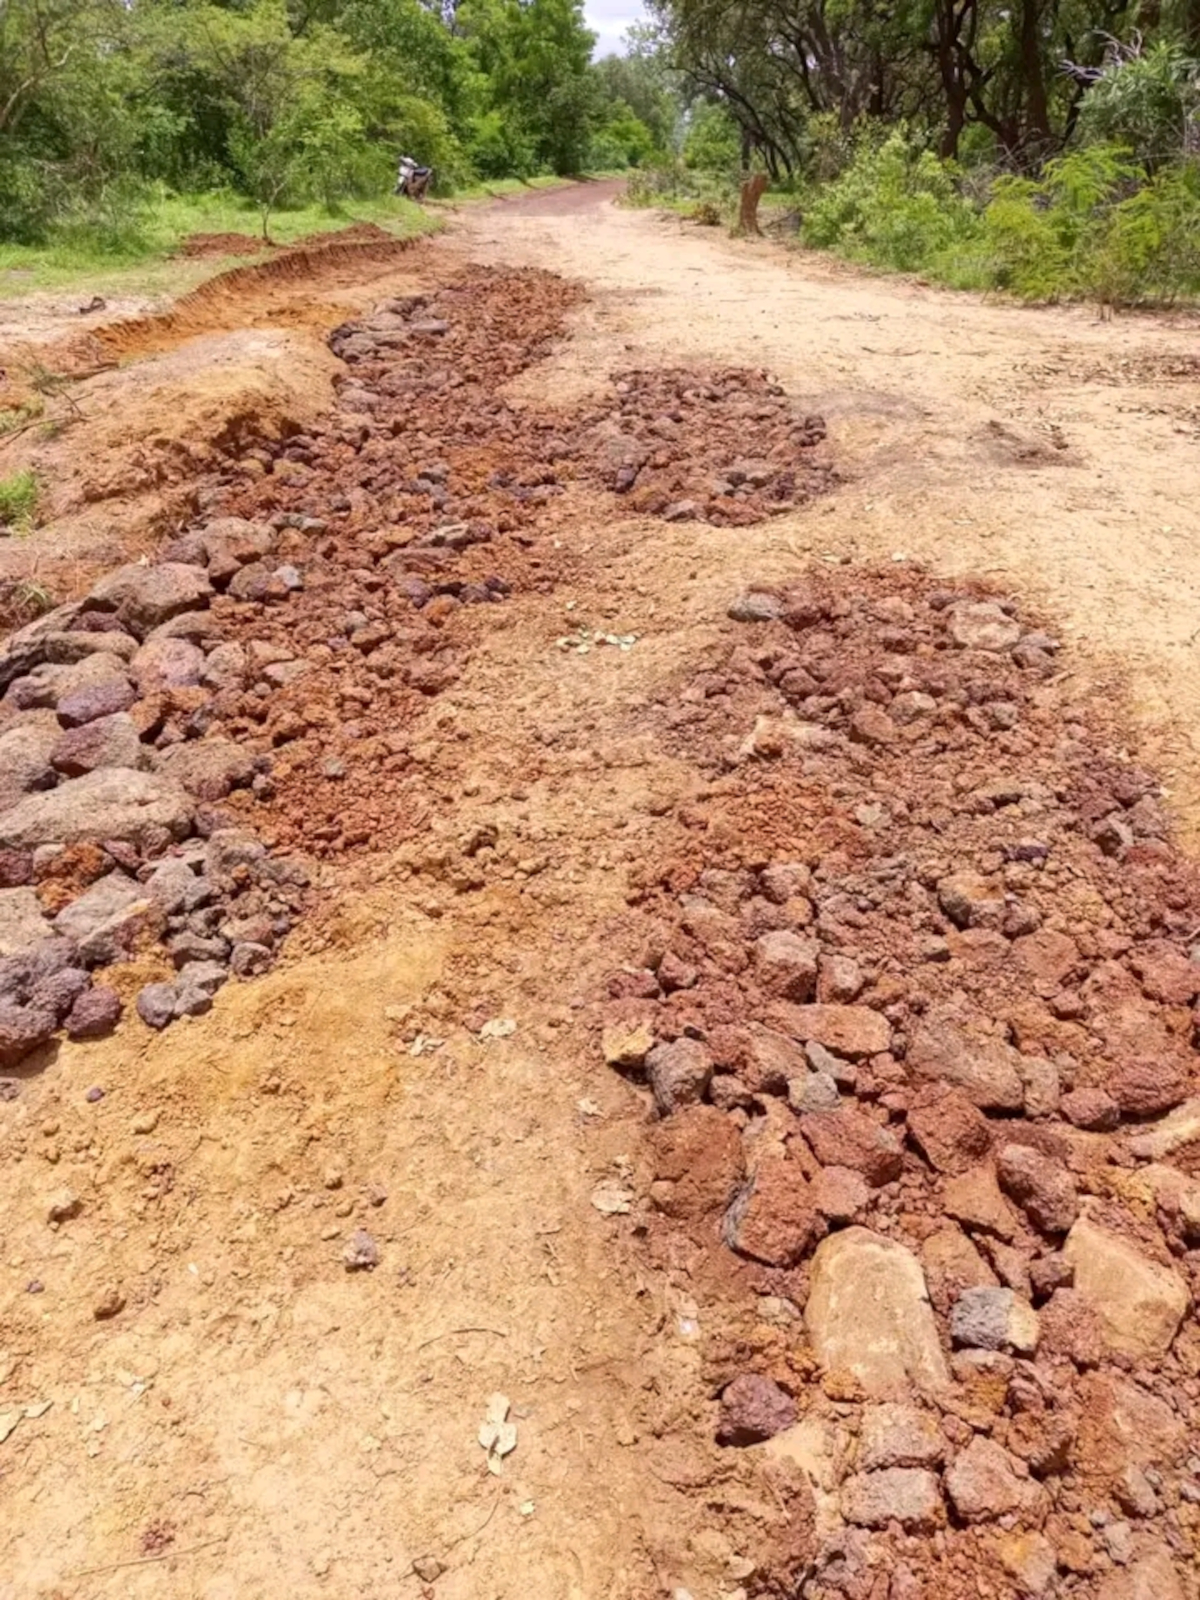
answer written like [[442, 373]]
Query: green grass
[[18, 501], [141, 261]]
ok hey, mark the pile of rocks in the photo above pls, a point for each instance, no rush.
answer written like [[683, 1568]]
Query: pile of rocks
[[259, 678], [427, 492], [919, 1024], [112, 767], [725, 447]]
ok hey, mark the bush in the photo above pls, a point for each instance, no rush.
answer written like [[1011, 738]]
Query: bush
[[498, 148], [713, 141], [18, 501], [1095, 225], [1148, 104], [894, 206]]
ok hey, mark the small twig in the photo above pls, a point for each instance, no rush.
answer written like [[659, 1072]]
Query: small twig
[[463, 1537], [501, 1333], [145, 1561]]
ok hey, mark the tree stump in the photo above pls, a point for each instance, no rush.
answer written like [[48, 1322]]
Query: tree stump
[[752, 193]]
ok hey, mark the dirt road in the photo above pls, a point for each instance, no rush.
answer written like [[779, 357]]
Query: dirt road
[[506, 827]]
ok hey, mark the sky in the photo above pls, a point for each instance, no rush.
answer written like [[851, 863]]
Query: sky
[[609, 19]]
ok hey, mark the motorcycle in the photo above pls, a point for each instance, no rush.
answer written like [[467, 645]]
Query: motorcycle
[[412, 180]]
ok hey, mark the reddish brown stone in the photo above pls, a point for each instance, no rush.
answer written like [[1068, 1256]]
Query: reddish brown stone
[[1046, 958], [1070, 1327], [774, 1219], [1043, 1441], [1093, 1109], [950, 1133], [1122, 1424], [1043, 1189], [1166, 973], [753, 1409], [952, 1264], [698, 1162], [1148, 1087], [785, 965], [853, 1031], [850, 1139]]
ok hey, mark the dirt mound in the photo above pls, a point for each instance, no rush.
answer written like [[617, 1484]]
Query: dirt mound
[[241, 296], [221, 244], [919, 1014]]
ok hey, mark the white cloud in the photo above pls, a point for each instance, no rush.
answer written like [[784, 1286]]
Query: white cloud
[[608, 19]]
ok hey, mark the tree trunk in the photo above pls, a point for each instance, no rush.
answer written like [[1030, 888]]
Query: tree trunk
[[1037, 109], [752, 193]]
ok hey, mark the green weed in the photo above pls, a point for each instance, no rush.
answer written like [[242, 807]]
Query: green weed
[[18, 501]]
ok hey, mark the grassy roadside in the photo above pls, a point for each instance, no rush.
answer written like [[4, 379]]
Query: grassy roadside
[[142, 261]]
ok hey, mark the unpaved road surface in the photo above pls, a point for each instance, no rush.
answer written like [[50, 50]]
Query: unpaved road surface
[[650, 850]]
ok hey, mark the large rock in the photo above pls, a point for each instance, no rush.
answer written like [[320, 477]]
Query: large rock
[[111, 803], [144, 597], [753, 1409], [1043, 1188], [1154, 1577], [167, 664], [947, 1129], [986, 1483], [26, 648], [679, 1074], [22, 924], [1028, 1558], [697, 1155], [1123, 1425], [207, 768], [22, 1030], [78, 706], [106, 742], [907, 1495], [868, 1313], [785, 965], [895, 1435], [982, 625], [1140, 1302], [852, 1031], [994, 1319], [985, 1069], [1147, 1086], [1181, 1128], [851, 1139], [25, 765], [104, 899], [774, 1218]]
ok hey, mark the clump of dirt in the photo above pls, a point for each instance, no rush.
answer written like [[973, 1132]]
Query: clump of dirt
[[919, 1018], [198, 245]]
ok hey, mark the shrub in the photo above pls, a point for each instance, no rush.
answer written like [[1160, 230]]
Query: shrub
[[18, 501], [896, 206]]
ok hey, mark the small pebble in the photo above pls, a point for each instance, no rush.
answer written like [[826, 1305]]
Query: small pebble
[[35, 1286], [146, 1122], [361, 1252], [110, 1304], [93, 1095]]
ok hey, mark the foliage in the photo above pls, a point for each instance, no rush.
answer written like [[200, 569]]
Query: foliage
[[290, 102], [18, 501], [1147, 102], [896, 205], [713, 141]]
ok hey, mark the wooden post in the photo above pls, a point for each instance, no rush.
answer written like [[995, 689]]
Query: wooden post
[[752, 193]]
